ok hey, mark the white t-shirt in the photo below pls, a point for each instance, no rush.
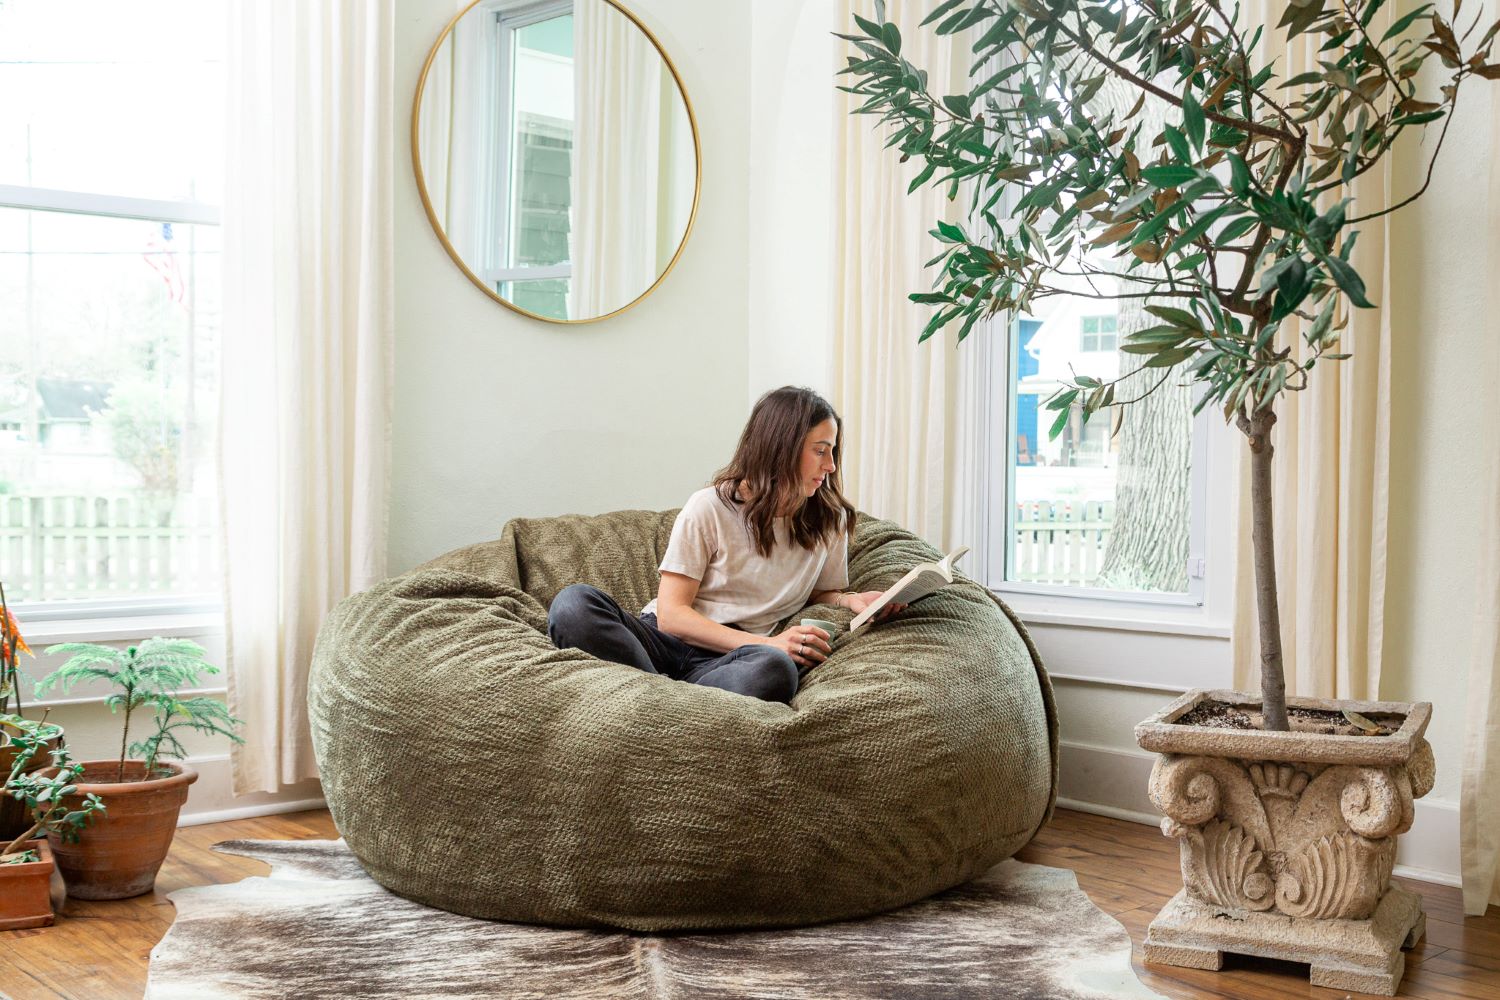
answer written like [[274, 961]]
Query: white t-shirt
[[736, 584]]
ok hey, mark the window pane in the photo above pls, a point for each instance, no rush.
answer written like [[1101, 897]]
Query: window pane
[[541, 144], [108, 401], [119, 98], [1091, 508], [544, 296]]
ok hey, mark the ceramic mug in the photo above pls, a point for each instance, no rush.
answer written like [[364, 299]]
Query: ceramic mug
[[832, 628]]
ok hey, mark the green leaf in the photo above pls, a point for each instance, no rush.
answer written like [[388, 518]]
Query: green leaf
[[1170, 175], [1173, 356], [1349, 280], [940, 10], [868, 27], [1321, 325], [1059, 423], [1351, 158], [1062, 400], [1179, 318], [1419, 119], [1236, 229], [1239, 175], [1404, 22], [949, 231], [1178, 143], [1303, 78], [1193, 120], [923, 176], [1199, 227], [890, 37], [958, 104]]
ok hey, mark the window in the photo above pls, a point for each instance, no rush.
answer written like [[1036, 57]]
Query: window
[[529, 241], [109, 301], [1110, 509], [1098, 333]]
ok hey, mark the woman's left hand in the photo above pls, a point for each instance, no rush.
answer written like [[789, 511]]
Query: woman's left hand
[[858, 602]]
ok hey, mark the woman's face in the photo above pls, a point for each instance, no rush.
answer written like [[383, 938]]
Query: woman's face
[[816, 463]]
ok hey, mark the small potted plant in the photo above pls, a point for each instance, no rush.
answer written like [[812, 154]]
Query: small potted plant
[[26, 861], [119, 857], [13, 818]]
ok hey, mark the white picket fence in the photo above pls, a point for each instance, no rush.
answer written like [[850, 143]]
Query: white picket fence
[[1060, 541], [69, 547]]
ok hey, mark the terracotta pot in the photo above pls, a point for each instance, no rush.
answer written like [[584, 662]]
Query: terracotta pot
[[118, 854], [1288, 839], [14, 819], [24, 897]]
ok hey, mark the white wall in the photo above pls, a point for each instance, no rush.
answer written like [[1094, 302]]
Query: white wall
[[498, 415], [792, 61]]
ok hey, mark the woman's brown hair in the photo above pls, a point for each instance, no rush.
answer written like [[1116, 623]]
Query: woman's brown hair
[[767, 460]]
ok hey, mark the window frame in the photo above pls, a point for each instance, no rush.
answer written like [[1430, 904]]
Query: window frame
[[1098, 335], [73, 618], [1206, 610], [497, 131]]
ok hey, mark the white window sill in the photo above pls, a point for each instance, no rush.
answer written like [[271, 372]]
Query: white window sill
[[1113, 615], [123, 628], [1121, 624]]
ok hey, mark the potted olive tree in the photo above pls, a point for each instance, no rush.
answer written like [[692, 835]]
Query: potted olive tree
[[120, 856], [1226, 214], [26, 860]]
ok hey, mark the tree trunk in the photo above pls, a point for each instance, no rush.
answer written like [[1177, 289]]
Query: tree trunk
[[1272, 681], [1148, 544]]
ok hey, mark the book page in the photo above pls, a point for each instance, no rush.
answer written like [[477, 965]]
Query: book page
[[926, 582]]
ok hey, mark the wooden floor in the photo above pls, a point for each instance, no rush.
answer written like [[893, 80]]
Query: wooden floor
[[99, 951]]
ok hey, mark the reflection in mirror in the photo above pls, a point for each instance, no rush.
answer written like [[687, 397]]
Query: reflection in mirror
[[557, 153]]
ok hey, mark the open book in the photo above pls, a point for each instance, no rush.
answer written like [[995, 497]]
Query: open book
[[915, 585]]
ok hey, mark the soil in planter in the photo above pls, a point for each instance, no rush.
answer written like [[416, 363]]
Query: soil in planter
[[1218, 715]]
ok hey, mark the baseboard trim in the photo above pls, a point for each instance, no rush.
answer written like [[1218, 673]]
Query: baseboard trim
[[250, 812], [211, 798], [1108, 781], [1128, 815]]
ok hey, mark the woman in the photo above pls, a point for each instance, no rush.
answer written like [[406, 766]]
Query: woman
[[768, 537]]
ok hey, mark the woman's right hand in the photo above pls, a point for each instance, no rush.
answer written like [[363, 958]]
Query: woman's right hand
[[807, 645]]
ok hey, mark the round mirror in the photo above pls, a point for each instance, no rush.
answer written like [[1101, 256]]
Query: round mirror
[[557, 155]]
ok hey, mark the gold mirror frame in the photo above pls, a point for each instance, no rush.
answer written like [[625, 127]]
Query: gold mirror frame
[[416, 162]]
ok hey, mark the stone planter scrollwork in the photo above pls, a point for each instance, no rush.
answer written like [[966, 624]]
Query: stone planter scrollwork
[[1288, 840]]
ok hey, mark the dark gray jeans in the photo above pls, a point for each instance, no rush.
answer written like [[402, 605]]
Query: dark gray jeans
[[586, 618]]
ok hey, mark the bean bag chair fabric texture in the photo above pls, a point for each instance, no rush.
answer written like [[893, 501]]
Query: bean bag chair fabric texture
[[472, 766]]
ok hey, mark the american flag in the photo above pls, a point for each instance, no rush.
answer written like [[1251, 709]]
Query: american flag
[[161, 256]]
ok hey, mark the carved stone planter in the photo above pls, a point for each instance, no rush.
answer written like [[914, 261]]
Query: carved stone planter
[[1288, 840]]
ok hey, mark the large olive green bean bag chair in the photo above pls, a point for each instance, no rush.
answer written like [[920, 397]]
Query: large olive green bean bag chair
[[473, 766]]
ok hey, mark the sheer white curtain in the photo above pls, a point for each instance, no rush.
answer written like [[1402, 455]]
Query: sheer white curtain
[[456, 168], [630, 133], [911, 411], [307, 341], [1479, 807], [1332, 466]]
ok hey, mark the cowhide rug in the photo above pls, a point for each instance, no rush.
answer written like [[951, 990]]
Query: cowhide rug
[[318, 928]]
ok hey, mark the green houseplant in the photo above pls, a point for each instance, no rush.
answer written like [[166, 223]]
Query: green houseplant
[[26, 861], [13, 816], [120, 856], [1142, 131]]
